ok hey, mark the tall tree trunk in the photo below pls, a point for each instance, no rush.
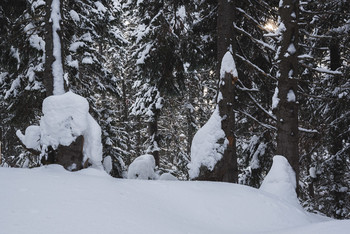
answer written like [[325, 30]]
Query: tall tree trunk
[[225, 43], [287, 109], [153, 134], [226, 168], [49, 58], [53, 73], [336, 140]]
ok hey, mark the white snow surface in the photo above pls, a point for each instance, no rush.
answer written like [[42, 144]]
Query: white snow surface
[[205, 150], [65, 117], [142, 168], [53, 200], [228, 65], [281, 181], [74, 15], [291, 96], [312, 172], [275, 99]]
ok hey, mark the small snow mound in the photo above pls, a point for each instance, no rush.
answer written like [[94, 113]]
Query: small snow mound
[[108, 164], [281, 180], [167, 176], [142, 168], [205, 149]]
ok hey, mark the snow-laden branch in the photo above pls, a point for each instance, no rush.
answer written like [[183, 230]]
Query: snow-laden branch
[[262, 43], [258, 69], [257, 121], [321, 70], [252, 19]]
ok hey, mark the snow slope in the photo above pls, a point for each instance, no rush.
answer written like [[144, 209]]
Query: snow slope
[[52, 200]]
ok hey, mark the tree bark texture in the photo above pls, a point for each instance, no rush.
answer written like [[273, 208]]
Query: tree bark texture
[[154, 137], [70, 157], [226, 168], [49, 58], [226, 17], [48, 79], [287, 109]]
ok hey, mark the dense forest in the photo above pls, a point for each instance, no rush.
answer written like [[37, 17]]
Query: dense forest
[[213, 89]]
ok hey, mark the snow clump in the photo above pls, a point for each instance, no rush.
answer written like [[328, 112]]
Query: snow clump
[[167, 176], [142, 168]]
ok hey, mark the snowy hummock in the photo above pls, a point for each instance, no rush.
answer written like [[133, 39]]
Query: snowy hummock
[[57, 67], [65, 117], [142, 168], [108, 164], [205, 149], [167, 176], [281, 180], [52, 200]]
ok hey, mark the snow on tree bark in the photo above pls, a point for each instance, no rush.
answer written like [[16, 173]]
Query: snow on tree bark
[[225, 167], [287, 108], [53, 78]]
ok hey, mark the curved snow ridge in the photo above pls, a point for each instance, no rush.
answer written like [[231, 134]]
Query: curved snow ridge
[[90, 201]]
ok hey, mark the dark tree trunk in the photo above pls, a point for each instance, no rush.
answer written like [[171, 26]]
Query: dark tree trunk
[[49, 50], [226, 168], [225, 43], [334, 54], [190, 131], [49, 58], [287, 110], [70, 157], [336, 141], [153, 134], [190, 123]]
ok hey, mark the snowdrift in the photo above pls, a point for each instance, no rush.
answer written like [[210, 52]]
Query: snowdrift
[[53, 200]]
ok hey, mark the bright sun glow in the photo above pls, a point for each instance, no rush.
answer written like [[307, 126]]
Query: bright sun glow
[[271, 26]]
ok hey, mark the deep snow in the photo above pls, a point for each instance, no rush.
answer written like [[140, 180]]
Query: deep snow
[[52, 200]]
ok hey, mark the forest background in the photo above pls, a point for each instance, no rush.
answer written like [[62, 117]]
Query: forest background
[[149, 72]]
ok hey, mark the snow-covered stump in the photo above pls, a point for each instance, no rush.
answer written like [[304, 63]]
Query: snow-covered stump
[[67, 135]]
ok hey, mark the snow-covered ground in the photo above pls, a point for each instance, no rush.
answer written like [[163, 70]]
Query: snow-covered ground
[[53, 200]]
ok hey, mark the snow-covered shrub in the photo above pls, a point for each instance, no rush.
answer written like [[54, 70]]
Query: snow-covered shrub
[[142, 168]]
